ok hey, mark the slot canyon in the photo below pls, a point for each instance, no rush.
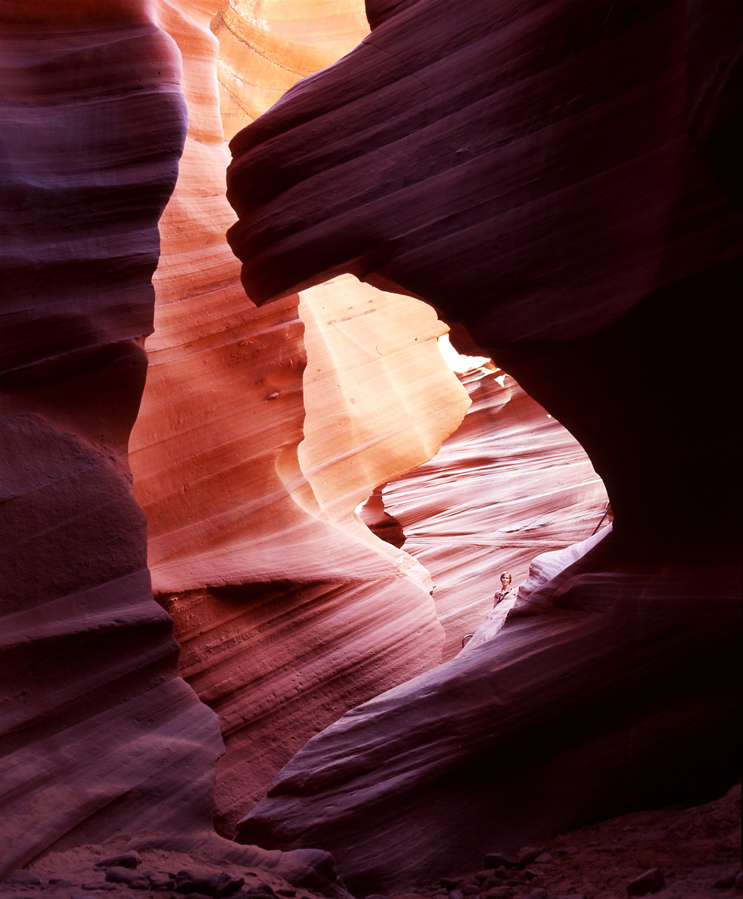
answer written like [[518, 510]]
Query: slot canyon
[[317, 316]]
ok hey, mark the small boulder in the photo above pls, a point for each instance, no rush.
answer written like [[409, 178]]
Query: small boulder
[[124, 860], [188, 883], [218, 886], [26, 878], [118, 874], [499, 859], [527, 855], [532, 873], [227, 885], [651, 881]]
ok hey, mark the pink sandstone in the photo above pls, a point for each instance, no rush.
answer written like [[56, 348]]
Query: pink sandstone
[[511, 482]]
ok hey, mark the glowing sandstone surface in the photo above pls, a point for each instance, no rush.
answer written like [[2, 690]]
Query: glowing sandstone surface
[[262, 429], [259, 434]]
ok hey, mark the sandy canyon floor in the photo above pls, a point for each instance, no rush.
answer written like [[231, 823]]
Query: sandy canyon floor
[[693, 853]]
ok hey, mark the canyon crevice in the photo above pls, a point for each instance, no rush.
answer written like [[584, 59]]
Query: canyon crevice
[[207, 622]]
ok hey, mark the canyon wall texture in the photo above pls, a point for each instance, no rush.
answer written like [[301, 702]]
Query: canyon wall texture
[[99, 733], [260, 431], [555, 178], [287, 609], [559, 182]]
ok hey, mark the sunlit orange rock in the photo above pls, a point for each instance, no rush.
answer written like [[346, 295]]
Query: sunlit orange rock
[[265, 46], [260, 431]]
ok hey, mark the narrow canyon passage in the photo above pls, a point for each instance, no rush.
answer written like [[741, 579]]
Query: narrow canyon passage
[[279, 421], [236, 233]]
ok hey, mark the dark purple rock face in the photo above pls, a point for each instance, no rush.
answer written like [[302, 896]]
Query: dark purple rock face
[[559, 179]]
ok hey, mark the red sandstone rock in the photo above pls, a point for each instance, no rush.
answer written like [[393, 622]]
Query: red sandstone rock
[[573, 712], [539, 208], [516, 134], [260, 432], [100, 735]]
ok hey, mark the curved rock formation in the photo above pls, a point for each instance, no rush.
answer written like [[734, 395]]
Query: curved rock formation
[[590, 702], [278, 641], [265, 47], [260, 432], [99, 734], [570, 202], [556, 178]]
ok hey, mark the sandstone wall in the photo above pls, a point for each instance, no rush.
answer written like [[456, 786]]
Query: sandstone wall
[[260, 432], [99, 734], [509, 484], [557, 179]]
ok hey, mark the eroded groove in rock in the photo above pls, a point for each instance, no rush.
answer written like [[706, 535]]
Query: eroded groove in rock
[[99, 735]]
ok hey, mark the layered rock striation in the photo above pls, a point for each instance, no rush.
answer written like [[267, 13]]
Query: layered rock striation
[[260, 431], [559, 180], [590, 700], [509, 484], [99, 734], [287, 610]]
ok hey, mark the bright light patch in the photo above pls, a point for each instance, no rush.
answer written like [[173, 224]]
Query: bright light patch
[[456, 361]]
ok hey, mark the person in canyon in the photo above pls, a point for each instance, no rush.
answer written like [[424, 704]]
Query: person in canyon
[[505, 588]]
